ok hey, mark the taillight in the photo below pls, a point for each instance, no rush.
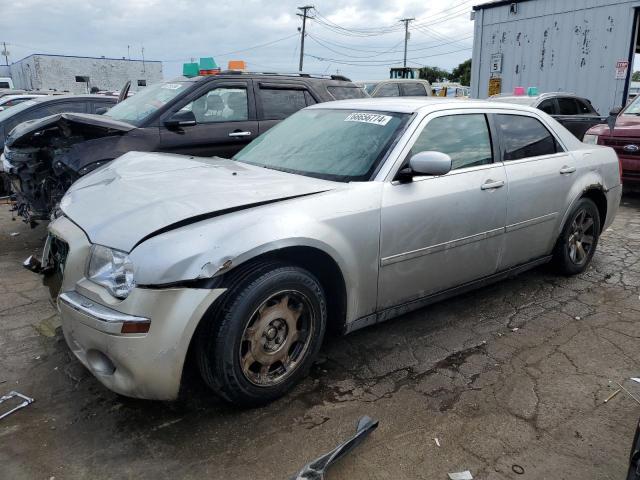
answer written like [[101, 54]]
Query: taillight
[[620, 169]]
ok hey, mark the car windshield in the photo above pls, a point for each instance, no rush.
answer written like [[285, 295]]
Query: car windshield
[[633, 108], [137, 108], [340, 145], [9, 112]]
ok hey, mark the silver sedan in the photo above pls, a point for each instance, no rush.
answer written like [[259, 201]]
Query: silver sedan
[[344, 215]]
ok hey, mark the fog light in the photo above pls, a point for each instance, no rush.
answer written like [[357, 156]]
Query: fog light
[[100, 363]]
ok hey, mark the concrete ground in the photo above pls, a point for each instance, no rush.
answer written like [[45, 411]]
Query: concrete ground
[[512, 374]]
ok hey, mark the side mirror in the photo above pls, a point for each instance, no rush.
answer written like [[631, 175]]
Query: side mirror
[[430, 163], [613, 116], [101, 110], [184, 118]]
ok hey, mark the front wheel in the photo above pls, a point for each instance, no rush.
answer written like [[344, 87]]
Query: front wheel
[[265, 336], [577, 243]]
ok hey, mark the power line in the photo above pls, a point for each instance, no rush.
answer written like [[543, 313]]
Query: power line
[[369, 63]]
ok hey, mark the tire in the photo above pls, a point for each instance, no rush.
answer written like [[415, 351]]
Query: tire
[[265, 334], [573, 253]]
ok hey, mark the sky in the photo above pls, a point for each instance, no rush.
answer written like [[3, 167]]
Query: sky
[[357, 38]]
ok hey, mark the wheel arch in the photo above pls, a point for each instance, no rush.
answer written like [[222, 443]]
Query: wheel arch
[[315, 260], [595, 193]]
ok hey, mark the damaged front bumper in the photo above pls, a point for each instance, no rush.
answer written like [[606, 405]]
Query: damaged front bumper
[[137, 346], [142, 365]]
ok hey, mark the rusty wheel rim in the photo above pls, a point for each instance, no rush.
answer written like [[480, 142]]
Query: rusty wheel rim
[[276, 338]]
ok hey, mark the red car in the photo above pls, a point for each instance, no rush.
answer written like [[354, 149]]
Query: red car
[[624, 138]]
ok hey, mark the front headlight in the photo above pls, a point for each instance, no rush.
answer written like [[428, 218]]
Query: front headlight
[[590, 139], [112, 269]]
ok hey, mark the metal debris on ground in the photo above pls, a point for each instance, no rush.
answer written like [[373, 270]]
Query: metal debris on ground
[[517, 469], [437, 441], [14, 234], [637, 380], [316, 469], [26, 401], [612, 395], [466, 475], [629, 393]]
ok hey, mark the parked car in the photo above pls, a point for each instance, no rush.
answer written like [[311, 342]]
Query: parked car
[[397, 87], [208, 115], [624, 138], [575, 113], [342, 216], [11, 100], [448, 89], [6, 83], [33, 178]]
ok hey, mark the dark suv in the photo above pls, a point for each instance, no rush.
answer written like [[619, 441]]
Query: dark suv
[[206, 116]]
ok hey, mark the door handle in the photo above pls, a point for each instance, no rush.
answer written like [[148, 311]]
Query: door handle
[[567, 169], [240, 134], [492, 184]]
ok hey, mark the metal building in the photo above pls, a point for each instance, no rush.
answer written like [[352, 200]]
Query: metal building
[[580, 46], [79, 74]]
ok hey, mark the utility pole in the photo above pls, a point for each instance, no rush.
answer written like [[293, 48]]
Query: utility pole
[[406, 38], [304, 16], [5, 52]]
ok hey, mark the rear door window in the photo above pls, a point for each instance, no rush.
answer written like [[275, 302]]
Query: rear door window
[[62, 107], [567, 106], [584, 108], [345, 93], [388, 90], [465, 138], [548, 106], [279, 103], [524, 137], [413, 90]]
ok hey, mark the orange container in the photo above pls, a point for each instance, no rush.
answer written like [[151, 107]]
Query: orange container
[[237, 65]]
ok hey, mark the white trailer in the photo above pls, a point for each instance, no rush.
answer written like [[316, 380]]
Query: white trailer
[[581, 46]]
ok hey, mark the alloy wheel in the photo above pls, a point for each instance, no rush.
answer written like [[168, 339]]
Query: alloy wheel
[[581, 237], [276, 338]]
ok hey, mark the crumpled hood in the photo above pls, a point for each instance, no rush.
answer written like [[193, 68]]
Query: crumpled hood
[[24, 130], [141, 194]]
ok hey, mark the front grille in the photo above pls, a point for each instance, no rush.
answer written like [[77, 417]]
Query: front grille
[[59, 252], [618, 145]]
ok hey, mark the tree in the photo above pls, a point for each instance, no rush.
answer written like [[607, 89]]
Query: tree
[[462, 73], [434, 74], [636, 76]]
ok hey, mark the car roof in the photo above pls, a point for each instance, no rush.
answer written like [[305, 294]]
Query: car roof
[[50, 98], [236, 74], [20, 95], [416, 104], [533, 98], [393, 80]]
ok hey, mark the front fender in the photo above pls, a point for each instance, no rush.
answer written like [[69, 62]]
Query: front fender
[[343, 224]]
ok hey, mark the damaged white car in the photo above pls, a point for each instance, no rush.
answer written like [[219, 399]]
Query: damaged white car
[[344, 215]]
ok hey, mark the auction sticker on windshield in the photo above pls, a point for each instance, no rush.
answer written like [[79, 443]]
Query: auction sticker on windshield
[[374, 118], [172, 86]]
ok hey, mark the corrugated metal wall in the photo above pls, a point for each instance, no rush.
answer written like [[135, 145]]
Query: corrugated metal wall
[[556, 45]]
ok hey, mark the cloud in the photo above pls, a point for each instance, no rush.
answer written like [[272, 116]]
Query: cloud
[[178, 30]]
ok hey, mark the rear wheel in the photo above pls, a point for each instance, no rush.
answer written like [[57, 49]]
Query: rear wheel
[[579, 238], [266, 334]]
